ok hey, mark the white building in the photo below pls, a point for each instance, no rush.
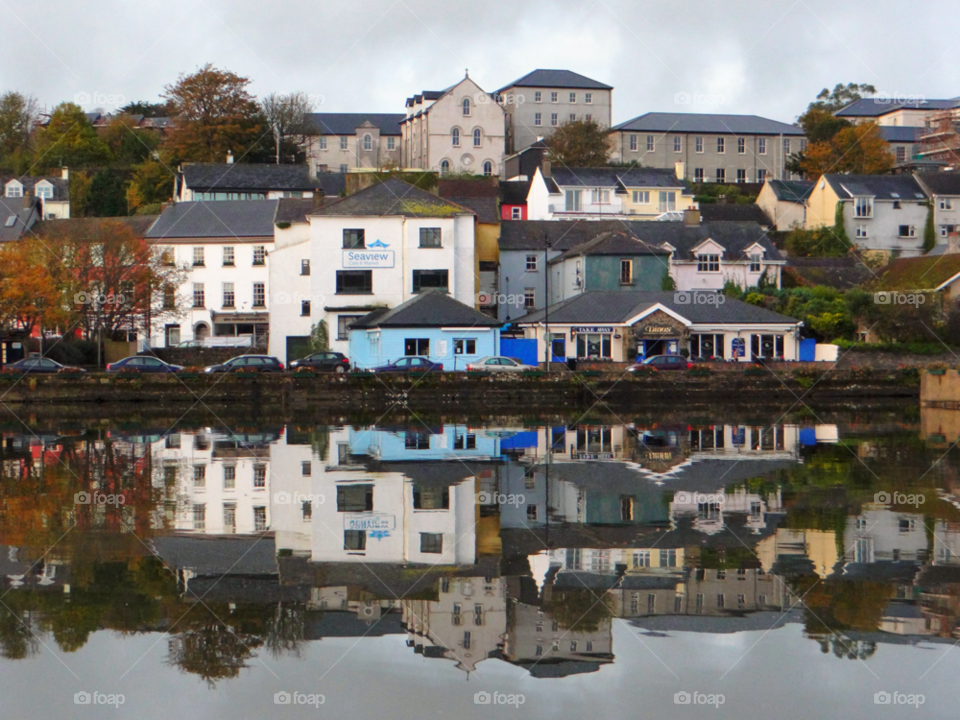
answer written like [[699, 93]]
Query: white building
[[52, 191], [243, 181]]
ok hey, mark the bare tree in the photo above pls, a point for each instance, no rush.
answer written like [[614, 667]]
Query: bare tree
[[287, 116]]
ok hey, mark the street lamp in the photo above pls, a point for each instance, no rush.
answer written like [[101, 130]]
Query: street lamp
[[548, 351]]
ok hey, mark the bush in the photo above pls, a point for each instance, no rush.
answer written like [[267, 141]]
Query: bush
[[72, 351]]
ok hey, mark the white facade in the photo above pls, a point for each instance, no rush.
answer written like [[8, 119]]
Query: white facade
[[712, 267]]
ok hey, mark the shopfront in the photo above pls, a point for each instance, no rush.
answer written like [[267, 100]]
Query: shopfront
[[660, 334], [594, 342]]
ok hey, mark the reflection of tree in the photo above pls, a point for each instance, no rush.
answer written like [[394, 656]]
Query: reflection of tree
[[844, 647], [211, 649], [17, 639], [285, 630], [580, 610]]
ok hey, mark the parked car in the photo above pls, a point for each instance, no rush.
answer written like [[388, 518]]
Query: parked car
[[144, 364], [499, 363], [191, 344], [325, 361], [663, 362], [409, 364], [247, 363], [42, 365]]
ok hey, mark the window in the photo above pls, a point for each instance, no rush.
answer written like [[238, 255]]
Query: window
[[554, 119], [425, 279], [641, 197], [198, 257], [444, 167], [343, 144], [573, 97], [708, 263], [416, 346], [650, 143], [529, 298], [465, 346], [538, 96], [863, 207], [367, 143], [259, 295], [304, 267], [626, 272], [786, 146], [259, 476], [532, 513], [633, 143], [668, 558], [668, 200], [538, 119], [229, 297], [946, 203], [761, 146], [199, 476], [229, 477], [354, 498], [466, 106], [353, 239], [432, 543], [488, 168], [306, 510], [354, 539], [343, 168], [741, 175], [698, 175], [861, 231], [343, 325], [761, 175], [720, 600], [199, 517], [455, 137], [573, 200], [304, 308], [600, 196], [430, 237], [755, 263], [573, 117], [554, 97], [946, 230], [588, 117], [354, 282], [430, 497], [391, 143], [907, 231], [588, 98], [721, 145], [323, 143], [677, 144], [698, 144], [198, 295], [531, 264], [741, 146], [721, 175], [259, 255], [228, 256], [516, 213], [641, 558], [901, 154], [803, 144], [14, 190], [306, 468]]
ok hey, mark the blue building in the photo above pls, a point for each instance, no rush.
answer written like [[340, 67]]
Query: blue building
[[431, 325]]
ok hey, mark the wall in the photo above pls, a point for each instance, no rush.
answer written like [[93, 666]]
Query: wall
[[288, 289], [785, 215], [514, 278], [883, 227], [354, 156], [521, 114], [370, 348]]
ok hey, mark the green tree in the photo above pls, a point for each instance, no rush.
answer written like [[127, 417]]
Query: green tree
[[319, 337], [108, 195], [151, 184], [929, 231], [147, 109], [841, 96], [18, 115], [69, 140], [582, 610], [579, 143], [667, 283], [127, 143], [79, 193]]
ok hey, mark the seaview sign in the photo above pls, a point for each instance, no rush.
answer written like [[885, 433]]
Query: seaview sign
[[368, 258], [369, 521]]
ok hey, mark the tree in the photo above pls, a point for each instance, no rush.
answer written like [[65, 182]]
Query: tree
[[147, 109], [79, 193], [929, 231], [319, 337], [30, 286], [286, 116], [152, 184], [108, 195], [18, 115], [579, 143], [841, 96], [69, 140], [127, 144], [213, 114], [858, 150]]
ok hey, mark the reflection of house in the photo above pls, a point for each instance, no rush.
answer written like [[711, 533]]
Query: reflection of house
[[818, 546], [708, 509], [879, 534]]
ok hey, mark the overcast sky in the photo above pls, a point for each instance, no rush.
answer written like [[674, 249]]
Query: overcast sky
[[765, 58]]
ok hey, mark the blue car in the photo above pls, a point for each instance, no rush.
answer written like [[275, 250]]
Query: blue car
[[409, 364], [143, 364]]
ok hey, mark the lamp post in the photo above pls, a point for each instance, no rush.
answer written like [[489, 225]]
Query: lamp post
[[548, 351]]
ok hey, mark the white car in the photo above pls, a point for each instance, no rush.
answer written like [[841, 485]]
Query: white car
[[498, 363]]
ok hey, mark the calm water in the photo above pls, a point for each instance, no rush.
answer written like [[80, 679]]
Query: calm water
[[753, 570]]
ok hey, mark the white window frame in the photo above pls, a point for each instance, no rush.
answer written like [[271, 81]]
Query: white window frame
[[861, 231], [946, 203], [633, 143], [367, 142], [911, 231], [573, 97], [761, 146], [863, 207], [538, 96], [554, 97], [588, 98], [698, 144], [455, 137], [721, 146], [741, 146], [554, 120], [651, 143], [577, 197], [641, 197], [677, 144], [708, 262], [538, 119], [477, 137]]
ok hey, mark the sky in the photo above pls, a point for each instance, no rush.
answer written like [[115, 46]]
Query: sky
[[763, 58]]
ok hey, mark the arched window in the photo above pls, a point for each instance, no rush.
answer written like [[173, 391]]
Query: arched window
[[488, 168], [476, 137], [444, 167], [367, 142], [455, 136], [466, 106]]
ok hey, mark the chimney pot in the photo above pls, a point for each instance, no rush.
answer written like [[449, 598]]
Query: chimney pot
[[229, 157], [65, 173], [27, 200], [546, 169], [317, 197], [691, 217]]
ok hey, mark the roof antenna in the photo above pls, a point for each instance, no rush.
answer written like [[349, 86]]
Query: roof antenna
[[466, 72]]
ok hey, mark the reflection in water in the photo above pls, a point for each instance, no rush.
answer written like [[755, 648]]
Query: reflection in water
[[519, 545]]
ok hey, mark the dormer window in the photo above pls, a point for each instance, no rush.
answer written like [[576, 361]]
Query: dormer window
[[45, 191], [755, 262], [708, 263], [14, 189]]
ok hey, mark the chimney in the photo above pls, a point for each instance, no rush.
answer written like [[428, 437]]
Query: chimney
[[545, 168], [691, 217], [65, 173], [27, 200], [229, 157], [680, 169], [317, 198]]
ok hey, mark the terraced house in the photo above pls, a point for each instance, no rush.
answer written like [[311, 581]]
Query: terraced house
[[341, 142]]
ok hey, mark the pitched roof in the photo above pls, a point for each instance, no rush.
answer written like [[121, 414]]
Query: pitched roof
[[621, 178], [431, 308], [795, 191], [61, 187], [619, 307], [734, 212], [900, 133], [557, 79], [332, 183], [347, 123], [140, 224], [877, 106], [26, 218], [481, 187], [881, 187], [294, 210], [711, 123], [940, 183], [615, 242], [514, 192], [920, 273], [393, 197], [486, 208], [247, 176], [225, 218]]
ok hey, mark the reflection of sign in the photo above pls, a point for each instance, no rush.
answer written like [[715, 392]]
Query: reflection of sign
[[368, 258], [659, 456], [592, 329], [657, 330], [591, 456], [369, 521], [739, 347]]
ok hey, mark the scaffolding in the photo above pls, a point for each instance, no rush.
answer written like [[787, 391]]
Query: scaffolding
[[940, 141]]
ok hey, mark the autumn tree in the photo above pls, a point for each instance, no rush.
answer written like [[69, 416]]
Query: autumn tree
[[30, 286], [18, 115], [858, 150], [151, 184], [69, 139], [213, 114], [579, 143], [286, 116]]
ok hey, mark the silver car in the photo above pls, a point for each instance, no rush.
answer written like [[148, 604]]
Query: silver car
[[499, 363]]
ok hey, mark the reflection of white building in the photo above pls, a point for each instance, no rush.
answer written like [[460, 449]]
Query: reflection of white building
[[708, 509], [465, 624], [535, 637], [879, 534], [946, 543]]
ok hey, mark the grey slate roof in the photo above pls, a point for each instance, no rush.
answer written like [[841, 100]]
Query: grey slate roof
[[711, 123], [347, 123], [247, 177], [209, 555], [26, 218], [900, 133], [875, 107], [734, 212], [881, 187], [795, 191], [617, 307], [621, 178], [332, 183], [514, 192], [556, 79], [940, 183], [61, 187], [294, 210], [615, 242], [431, 308], [486, 208], [225, 218], [393, 197]]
